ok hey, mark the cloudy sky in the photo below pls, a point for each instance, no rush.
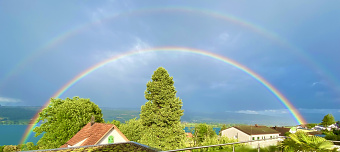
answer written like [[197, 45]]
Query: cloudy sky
[[294, 45]]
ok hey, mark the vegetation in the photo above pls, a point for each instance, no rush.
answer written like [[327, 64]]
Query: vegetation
[[115, 122], [311, 125], [162, 113], [302, 141], [203, 132], [328, 120], [62, 119], [132, 129]]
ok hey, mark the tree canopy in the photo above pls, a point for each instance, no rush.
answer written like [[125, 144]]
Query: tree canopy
[[162, 112], [62, 119], [328, 120], [201, 132]]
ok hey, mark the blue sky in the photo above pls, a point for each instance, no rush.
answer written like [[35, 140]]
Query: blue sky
[[305, 69]]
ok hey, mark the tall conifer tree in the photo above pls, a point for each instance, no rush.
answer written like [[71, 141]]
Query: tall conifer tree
[[162, 113]]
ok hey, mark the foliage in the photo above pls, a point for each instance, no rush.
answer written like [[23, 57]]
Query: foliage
[[222, 128], [115, 122], [2, 148], [328, 120], [28, 146], [132, 129], [161, 114], [120, 147], [311, 125], [202, 132], [11, 148], [302, 141], [62, 119]]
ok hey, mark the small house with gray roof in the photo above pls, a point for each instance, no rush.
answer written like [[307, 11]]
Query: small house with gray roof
[[250, 133]]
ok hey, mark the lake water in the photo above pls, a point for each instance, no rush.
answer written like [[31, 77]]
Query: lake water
[[11, 134], [217, 130]]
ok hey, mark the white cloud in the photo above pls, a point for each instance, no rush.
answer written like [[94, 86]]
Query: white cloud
[[265, 112], [315, 83], [7, 100], [247, 112]]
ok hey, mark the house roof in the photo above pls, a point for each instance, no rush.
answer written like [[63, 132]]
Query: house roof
[[256, 130], [189, 134], [93, 134], [282, 130]]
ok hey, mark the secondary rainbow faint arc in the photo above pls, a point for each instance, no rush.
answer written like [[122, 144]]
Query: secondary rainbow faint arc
[[294, 112], [227, 17]]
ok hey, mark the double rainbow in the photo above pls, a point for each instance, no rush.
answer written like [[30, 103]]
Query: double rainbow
[[286, 103]]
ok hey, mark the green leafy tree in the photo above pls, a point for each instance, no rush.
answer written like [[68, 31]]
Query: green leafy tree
[[162, 112], [115, 122], [328, 120], [223, 128], [201, 132], [311, 125], [62, 119], [11, 148], [132, 129], [301, 141]]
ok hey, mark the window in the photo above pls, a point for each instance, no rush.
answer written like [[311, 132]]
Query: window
[[271, 137], [110, 139], [253, 138], [258, 138]]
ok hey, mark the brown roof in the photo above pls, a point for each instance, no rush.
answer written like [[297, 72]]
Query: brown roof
[[93, 134], [256, 130], [189, 135], [282, 130]]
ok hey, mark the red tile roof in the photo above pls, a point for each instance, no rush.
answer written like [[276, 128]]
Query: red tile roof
[[189, 135], [93, 134]]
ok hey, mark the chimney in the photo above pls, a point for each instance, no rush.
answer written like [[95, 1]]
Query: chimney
[[92, 120], [256, 125]]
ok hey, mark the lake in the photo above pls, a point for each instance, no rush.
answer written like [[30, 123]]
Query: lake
[[217, 130], [11, 134]]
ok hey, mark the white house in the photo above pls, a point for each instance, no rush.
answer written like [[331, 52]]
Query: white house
[[96, 134], [249, 133]]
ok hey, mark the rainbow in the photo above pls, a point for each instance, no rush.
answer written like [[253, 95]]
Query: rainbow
[[226, 17], [294, 112]]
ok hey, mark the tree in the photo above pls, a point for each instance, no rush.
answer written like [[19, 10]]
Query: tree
[[62, 119], [328, 120], [223, 128], [161, 114], [115, 122], [202, 132], [302, 141], [132, 129]]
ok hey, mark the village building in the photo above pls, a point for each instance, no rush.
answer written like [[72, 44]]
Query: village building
[[96, 134], [251, 133], [282, 130]]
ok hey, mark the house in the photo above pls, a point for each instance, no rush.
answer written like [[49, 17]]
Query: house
[[188, 134], [96, 134], [302, 126], [282, 130], [318, 128], [249, 133]]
